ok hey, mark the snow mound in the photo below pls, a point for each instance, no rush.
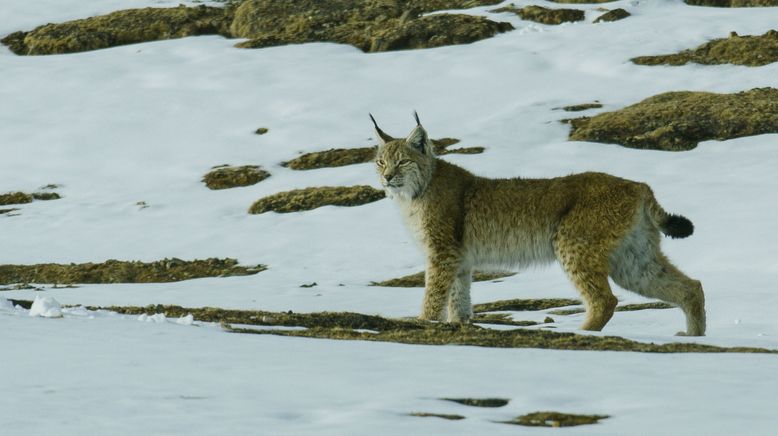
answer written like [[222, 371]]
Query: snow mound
[[5, 304], [185, 320], [157, 317], [46, 307]]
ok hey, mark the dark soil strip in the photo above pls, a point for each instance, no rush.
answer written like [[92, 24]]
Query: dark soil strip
[[480, 402], [437, 415]]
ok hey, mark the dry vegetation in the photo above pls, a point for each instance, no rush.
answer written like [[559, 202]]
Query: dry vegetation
[[311, 198], [555, 419], [612, 15], [676, 121], [372, 25], [224, 177], [747, 50], [23, 198], [543, 15], [119, 28], [338, 157], [117, 271]]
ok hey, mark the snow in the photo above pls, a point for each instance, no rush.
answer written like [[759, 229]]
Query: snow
[[145, 122], [46, 307]]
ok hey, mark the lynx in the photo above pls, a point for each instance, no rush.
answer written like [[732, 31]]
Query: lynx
[[594, 224]]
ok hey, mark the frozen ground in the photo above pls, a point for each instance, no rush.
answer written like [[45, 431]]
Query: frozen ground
[[145, 122]]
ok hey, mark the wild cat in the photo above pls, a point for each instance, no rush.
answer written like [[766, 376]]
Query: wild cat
[[595, 225]]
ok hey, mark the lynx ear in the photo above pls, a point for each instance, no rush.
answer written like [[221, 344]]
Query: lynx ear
[[382, 136], [418, 139]]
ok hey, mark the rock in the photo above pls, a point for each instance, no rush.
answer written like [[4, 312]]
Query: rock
[[119, 28], [676, 121], [231, 177], [613, 15], [543, 15], [311, 198], [739, 50]]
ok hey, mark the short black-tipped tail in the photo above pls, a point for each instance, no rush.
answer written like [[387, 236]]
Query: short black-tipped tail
[[677, 226]]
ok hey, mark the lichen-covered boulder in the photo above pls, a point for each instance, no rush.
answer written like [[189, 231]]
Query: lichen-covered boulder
[[120, 28], [747, 50], [368, 25], [676, 121]]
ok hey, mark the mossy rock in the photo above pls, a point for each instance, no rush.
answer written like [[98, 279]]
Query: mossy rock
[[732, 3], [370, 26], [555, 419], [117, 271], [45, 196], [338, 157], [436, 31], [374, 25], [612, 15], [119, 28], [417, 280], [676, 121], [225, 177], [311, 198], [739, 50], [334, 157], [22, 198], [543, 15], [15, 198]]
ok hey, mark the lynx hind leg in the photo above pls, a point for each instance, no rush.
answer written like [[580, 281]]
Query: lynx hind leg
[[638, 265], [459, 308], [587, 269]]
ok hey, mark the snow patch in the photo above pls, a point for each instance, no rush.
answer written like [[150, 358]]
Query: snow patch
[[157, 317], [6, 304], [185, 320]]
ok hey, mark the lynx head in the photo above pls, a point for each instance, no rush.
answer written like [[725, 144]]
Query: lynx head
[[404, 166]]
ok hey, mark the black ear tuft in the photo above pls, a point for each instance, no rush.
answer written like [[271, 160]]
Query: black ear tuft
[[416, 116], [381, 134]]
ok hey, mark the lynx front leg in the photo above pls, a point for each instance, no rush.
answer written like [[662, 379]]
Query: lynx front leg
[[441, 273], [459, 308]]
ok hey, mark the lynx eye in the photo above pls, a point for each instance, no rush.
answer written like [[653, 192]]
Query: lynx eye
[[380, 162], [404, 162]]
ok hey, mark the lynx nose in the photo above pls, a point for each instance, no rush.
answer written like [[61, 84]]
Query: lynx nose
[[388, 177]]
